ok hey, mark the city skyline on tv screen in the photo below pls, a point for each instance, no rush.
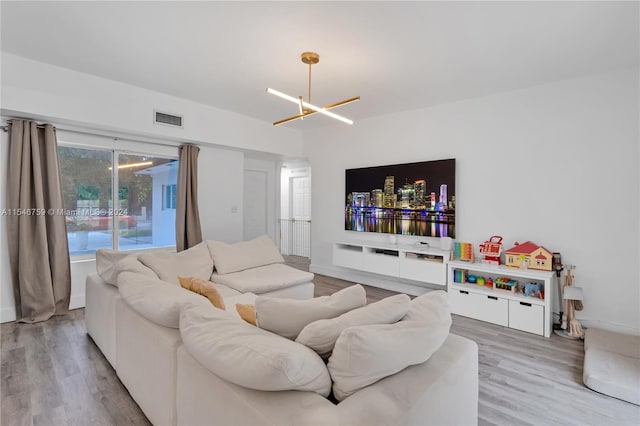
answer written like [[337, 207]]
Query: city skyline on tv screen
[[407, 199]]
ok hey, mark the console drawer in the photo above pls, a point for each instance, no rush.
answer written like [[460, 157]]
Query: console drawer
[[487, 308], [526, 317]]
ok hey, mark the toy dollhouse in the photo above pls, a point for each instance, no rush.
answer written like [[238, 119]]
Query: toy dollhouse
[[536, 257]]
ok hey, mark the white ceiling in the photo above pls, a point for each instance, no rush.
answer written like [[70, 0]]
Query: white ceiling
[[396, 55]]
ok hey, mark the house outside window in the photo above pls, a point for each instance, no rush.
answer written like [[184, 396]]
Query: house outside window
[[129, 218]]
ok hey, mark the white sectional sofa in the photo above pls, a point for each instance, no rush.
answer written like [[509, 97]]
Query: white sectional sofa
[[136, 313]]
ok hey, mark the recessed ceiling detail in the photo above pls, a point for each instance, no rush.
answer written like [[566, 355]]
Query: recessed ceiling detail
[[306, 108]]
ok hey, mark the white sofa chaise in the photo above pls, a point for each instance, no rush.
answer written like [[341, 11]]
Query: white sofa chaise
[[172, 387]]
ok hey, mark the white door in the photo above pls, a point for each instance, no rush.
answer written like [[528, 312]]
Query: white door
[[255, 204], [301, 215], [301, 198]]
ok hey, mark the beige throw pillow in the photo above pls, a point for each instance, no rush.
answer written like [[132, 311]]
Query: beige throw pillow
[[287, 317], [247, 312], [204, 288], [248, 356], [365, 354], [321, 335], [194, 262], [236, 257]]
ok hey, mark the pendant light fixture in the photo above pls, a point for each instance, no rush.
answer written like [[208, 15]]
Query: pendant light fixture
[[306, 108]]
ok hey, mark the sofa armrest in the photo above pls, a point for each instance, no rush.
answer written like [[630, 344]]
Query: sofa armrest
[[441, 391]]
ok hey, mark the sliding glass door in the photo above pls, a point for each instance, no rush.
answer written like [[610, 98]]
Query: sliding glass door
[[140, 213]]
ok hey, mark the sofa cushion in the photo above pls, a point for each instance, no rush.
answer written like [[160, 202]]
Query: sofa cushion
[[249, 356], [204, 288], [109, 263], [156, 300], [321, 335], [194, 262], [431, 307], [244, 255], [365, 354], [263, 279], [287, 317], [106, 260]]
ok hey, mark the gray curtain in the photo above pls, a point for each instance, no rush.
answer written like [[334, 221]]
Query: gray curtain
[[188, 231], [36, 227]]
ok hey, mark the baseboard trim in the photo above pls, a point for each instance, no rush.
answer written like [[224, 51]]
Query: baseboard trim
[[7, 314], [77, 301], [399, 285]]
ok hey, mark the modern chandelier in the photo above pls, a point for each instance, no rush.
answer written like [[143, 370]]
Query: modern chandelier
[[306, 108]]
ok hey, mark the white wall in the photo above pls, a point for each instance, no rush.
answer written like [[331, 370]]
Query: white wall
[[556, 164], [271, 168], [220, 184]]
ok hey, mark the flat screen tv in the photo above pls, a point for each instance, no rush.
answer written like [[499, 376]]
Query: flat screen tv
[[407, 199]]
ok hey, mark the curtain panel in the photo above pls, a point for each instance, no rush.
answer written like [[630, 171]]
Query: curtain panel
[[36, 227], [188, 230]]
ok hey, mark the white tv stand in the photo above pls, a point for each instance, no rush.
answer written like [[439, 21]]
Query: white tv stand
[[416, 262], [513, 310]]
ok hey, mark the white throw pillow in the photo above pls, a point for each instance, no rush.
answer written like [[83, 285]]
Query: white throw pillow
[[432, 308], [365, 354], [106, 260], [321, 335], [244, 255], [248, 356], [287, 317], [156, 300], [193, 262], [109, 263]]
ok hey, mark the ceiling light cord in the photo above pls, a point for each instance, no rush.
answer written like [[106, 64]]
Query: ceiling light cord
[[309, 83]]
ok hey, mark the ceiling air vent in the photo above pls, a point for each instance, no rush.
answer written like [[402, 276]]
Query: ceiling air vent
[[167, 119]]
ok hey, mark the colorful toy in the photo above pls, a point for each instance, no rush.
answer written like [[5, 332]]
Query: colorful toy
[[505, 284], [491, 250], [460, 276], [471, 279], [480, 281], [537, 257], [463, 251], [489, 282]]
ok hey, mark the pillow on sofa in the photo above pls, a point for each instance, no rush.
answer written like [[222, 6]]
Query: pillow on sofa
[[432, 308], [248, 356], [247, 312], [365, 354], [287, 317], [106, 260], [193, 262], [204, 288], [109, 263], [244, 255], [156, 300], [321, 335]]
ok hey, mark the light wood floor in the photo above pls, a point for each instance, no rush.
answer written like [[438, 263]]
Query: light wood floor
[[53, 374]]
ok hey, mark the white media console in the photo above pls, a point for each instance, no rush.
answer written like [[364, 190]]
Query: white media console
[[424, 265], [416, 262]]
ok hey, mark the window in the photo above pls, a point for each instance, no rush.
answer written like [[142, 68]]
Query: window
[[141, 221], [169, 200]]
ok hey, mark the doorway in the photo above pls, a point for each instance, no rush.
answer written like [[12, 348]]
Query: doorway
[[295, 220]]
